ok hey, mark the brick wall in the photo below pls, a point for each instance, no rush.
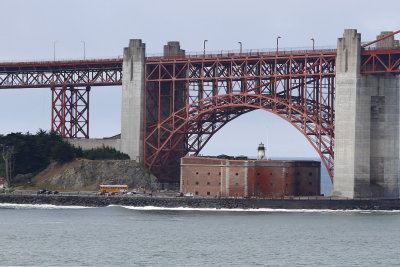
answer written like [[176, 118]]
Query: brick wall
[[212, 177]]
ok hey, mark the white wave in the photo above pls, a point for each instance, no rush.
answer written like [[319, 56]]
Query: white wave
[[150, 208], [38, 206]]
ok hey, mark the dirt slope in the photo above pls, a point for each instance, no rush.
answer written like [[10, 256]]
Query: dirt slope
[[87, 175]]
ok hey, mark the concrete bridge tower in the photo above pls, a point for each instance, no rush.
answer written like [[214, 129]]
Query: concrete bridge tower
[[366, 125], [133, 97], [132, 108]]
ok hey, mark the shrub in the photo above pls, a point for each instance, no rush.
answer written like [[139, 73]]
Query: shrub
[[104, 153]]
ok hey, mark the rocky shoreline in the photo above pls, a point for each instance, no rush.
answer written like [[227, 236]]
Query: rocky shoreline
[[223, 203]]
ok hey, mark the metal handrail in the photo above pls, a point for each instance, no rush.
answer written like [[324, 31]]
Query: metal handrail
[[200, 55]]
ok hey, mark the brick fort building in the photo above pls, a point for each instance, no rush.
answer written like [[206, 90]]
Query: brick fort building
[[225, 176]]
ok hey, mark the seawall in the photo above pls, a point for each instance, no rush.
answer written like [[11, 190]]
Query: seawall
[[225, 203]]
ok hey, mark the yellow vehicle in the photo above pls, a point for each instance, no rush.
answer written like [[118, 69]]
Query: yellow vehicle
[[113, 188]]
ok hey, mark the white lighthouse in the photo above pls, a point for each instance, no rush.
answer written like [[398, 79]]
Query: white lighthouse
[[261, 151]]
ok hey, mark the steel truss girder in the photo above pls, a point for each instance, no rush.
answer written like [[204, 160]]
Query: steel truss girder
[[106, 72], [381, 60], [298, 89], [58, 73], [70, 111]]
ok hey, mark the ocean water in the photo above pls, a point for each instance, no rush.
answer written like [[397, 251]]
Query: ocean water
[[45, 235]]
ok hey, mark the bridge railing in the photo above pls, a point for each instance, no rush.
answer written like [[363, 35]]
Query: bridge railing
[[196, 55], [245, 53], [48, 62], [374, 48]]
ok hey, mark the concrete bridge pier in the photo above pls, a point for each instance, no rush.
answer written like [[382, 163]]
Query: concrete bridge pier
[[132, 108], [159, 97], [366, 125]]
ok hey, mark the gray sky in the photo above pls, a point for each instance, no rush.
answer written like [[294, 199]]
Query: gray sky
[[29, 29]]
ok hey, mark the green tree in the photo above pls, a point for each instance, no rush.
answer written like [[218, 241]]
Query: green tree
[[33, 152], [63, 152], [104, 153]]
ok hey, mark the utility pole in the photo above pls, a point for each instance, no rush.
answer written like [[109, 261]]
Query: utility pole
[[54, 50], [277, 44], [84, 49]]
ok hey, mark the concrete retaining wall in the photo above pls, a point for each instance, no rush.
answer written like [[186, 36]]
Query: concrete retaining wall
[[87, 144]]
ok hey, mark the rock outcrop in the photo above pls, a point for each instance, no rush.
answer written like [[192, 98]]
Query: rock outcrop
[[81, 175]]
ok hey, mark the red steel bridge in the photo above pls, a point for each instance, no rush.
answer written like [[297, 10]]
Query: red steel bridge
[[189, 98]]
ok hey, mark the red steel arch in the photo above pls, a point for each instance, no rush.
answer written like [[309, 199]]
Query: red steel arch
[[187, 101]]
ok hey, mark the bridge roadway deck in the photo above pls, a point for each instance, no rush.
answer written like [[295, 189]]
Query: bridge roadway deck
[[108, 72]]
